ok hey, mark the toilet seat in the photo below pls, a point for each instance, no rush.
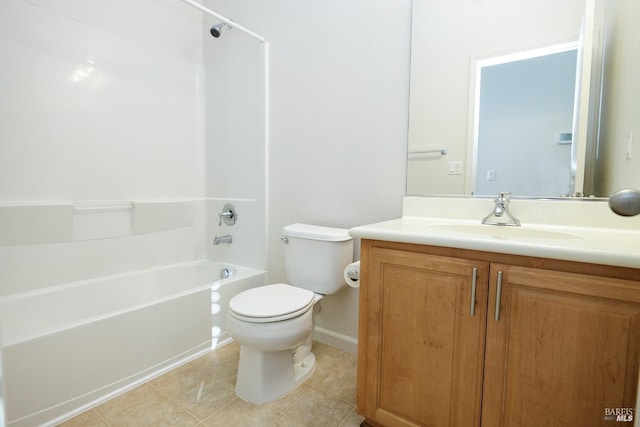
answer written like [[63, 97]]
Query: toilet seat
[[271, 303]]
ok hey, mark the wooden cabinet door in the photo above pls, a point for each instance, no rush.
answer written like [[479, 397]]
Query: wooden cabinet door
[[420, 348], [564, 349]]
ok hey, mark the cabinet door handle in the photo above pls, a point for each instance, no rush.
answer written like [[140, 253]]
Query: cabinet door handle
[[498, 295], [474, 284]]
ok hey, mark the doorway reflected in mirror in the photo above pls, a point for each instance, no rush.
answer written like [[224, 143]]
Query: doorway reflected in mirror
[[523, 122]]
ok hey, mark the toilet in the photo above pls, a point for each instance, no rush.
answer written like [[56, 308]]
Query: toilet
[[273, 324]]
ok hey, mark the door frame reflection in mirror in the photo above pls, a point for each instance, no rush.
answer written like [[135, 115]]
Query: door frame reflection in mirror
[[475, 90]]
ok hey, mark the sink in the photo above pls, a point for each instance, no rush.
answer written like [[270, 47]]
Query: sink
[[504, 232], [572, 230]]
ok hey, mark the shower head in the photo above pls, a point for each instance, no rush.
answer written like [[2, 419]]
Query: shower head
[[216, 30]]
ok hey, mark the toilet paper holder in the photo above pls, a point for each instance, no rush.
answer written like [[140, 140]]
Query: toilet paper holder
[[353, 275]]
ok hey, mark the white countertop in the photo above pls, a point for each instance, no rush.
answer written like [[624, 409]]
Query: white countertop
[[608, 244]]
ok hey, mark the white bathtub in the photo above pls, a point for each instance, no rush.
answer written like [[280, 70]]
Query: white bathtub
[[68, 347]]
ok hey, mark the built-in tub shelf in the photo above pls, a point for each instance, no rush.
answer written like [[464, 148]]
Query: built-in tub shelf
[[54, 222]]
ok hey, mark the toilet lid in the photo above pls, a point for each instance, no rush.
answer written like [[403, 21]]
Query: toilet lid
[[271, 303]]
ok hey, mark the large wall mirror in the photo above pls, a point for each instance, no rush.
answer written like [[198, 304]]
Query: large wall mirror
[[534, 98]]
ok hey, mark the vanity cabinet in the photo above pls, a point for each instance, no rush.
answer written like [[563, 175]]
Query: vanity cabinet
[[452, 337]]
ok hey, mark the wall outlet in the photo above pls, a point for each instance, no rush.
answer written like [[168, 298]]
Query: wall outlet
[[491, 175], [455, 167]]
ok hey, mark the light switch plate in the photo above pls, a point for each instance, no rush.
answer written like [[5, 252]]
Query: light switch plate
[[455, 167]]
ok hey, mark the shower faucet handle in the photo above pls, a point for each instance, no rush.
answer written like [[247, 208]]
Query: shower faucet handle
[[228, 215]]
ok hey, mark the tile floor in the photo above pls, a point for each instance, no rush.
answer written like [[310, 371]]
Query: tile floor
[[201, 394]]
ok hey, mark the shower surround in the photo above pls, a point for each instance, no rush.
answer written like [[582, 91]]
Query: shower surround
[[111, 176]]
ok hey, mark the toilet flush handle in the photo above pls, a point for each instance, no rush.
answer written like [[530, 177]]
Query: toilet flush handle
[[284, 240]]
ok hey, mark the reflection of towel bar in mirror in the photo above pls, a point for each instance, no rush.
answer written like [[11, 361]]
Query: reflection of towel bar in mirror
[[418, 151]]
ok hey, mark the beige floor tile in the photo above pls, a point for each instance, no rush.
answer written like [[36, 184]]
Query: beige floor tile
[[166, 414], [223, 362], [202, 393], [353, 420], [287, 400], [341, 381], [181, 379], [128, 405], [207, 397], [220, 355], [319, 409], [284, 421], [327, 358], [86, 419], [242, 414]]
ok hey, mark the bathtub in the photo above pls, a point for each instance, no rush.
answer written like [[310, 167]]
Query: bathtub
[[69, 347]]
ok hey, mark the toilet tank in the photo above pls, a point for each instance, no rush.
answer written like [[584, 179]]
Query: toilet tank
[[315, 257]]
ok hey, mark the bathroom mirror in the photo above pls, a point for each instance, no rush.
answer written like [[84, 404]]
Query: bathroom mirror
[[448, 43]]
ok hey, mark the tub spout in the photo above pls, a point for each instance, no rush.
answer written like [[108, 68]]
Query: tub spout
[[222, 239]]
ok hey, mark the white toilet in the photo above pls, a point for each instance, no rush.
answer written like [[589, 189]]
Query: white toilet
[[273, 324]]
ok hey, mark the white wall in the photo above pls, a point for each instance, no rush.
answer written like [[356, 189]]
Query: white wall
[[620, 107], [446, 37], [339, 106]]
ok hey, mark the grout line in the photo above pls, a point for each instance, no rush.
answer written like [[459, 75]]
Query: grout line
[[342, 423], [199, 421], [218, 410], [289, 418], [294, 400], [101, 417], [177, 403], [171, 399]]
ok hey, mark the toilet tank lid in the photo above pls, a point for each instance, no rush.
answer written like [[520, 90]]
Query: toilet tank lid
[[317, 232]]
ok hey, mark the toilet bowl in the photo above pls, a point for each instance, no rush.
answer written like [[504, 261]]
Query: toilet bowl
[[275, 348], [274, 323]]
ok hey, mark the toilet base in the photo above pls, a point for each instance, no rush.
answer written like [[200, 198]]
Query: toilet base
[[304, 369], [266, 376]]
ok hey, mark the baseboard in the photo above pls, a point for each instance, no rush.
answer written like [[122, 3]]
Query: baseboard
[[336, 339]]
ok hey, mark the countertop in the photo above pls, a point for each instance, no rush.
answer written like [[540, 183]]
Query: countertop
[[608, 246], [572, 230]]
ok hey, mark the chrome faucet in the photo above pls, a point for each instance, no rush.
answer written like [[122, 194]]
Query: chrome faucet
[[501, 212], [222, 239]]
